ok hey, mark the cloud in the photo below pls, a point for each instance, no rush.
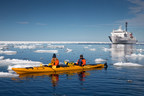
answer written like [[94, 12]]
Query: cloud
[[137, 10], [25, 22], [137, 20], [41, 24]]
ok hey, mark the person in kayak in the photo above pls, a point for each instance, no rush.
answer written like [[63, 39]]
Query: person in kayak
[[81, 61], [54, 61]]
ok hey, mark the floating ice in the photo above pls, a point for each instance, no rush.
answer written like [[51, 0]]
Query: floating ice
[[8, 52], [25, 46], [106, 49], [85, 47], [1, 57], [3, 47], [46, 51], [7, 74], [68, 50], [92, 49], [134, 56], [140, 50], [18, 62], [22, 66], [52, 42], [55, 46], [127, 64], [99, 60]]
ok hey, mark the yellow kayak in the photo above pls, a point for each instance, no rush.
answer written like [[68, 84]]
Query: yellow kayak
[[45, 69]]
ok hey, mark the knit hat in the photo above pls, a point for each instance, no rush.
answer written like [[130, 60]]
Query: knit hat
[[81, 56], [54, 55]]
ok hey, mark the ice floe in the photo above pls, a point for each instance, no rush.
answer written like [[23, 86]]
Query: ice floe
[[25, 46], [7, 74], [68, 50], [86, 47], [107, 49], [17, 61], [140, 50], [3, 47], [99, 60], [46, 51], [8, 52], [92, 49], [1, 57], [55, 46], [52, 42], [127, 64], [135, 56]]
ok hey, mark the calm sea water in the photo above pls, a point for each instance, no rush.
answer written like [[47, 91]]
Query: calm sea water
[[123, 77]]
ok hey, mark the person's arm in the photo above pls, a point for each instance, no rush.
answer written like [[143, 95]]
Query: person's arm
[[77, 61]]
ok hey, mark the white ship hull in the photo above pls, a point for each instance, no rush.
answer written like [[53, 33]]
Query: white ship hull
[[117, 40], [120, 36]]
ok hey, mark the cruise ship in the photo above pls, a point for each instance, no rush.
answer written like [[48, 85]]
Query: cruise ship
[[120, 36]]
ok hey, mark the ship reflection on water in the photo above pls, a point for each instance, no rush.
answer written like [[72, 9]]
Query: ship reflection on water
[[119, 52]]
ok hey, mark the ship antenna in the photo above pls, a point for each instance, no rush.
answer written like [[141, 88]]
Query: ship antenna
[[126, 25]]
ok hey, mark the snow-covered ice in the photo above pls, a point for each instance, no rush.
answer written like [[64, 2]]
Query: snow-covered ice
[[99, 60], [7, 74], [46, 51], [17, 61], [25, 46], [127, 64], [135, 56], [92, 49], [1, 57], [56, 46], [8, 52], [86, 47], [68, 50], [107, 49]]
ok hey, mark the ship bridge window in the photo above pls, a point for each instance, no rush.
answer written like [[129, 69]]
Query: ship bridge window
[[125, 35]]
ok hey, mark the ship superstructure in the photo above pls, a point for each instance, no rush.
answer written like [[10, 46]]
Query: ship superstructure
[[120, 36]]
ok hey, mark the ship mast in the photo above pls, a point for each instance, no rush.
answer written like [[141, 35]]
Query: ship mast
[[126, 25]]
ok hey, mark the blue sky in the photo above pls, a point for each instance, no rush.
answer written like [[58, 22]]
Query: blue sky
[[68, 20]]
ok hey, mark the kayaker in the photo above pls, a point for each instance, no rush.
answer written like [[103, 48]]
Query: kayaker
[[54, 61], [81, 61]]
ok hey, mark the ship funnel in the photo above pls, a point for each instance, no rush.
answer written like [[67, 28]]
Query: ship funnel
[[126, 25]]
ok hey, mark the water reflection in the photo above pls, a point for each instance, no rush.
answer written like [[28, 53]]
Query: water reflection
[[119, 51], [82, 76], [54, 79]]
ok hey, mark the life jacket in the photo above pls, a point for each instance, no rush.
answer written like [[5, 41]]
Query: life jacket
[[81, 62], [55, 62]]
